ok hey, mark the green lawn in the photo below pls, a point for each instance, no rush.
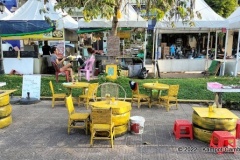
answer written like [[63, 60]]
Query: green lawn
[[190, 88]]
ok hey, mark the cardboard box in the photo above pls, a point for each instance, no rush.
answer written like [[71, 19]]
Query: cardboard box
[[163, 45], [124, 73], [165, 51]]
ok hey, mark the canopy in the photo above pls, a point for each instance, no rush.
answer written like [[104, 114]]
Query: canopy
[[234, 24], [33, 10], [234, 19], [5, 13], [209, 21], [19, 27], [129, 18]]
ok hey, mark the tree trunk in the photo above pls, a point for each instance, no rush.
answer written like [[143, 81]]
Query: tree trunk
[[115, 19]]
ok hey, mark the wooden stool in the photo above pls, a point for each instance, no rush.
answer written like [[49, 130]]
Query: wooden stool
[[238, 129], [220, 140], [182, 128]]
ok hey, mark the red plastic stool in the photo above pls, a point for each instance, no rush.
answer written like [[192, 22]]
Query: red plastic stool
[[182, 128], [238, 129], [221, 141]]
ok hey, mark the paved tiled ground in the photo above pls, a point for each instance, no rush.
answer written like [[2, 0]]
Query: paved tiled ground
[[40, 132]]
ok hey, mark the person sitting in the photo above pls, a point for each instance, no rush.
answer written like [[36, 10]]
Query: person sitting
[[81, 61], [59, 62]]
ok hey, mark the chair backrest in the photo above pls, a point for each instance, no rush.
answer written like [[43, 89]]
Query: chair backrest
[[92, 89], [101, 115], [173, 90], [214, 67], [113, 89], [55, 66], [89, 64], [134, 87], [69, 105], [51, 87]]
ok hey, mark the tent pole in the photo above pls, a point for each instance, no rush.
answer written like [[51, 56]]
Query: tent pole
[[156, 53], [237, 55], [208, 40], [216, 45], [225, 53], [145, 48]]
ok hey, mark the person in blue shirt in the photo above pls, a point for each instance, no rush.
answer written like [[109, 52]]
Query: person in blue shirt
[[172, 50]]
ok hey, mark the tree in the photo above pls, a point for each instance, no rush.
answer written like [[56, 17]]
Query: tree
[[110, 9], [223, 7]]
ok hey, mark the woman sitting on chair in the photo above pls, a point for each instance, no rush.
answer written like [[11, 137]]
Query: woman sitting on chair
[[59, 62], [92, 57]]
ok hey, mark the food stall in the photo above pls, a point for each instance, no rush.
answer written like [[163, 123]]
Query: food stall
[[28, 59], [129, 41]]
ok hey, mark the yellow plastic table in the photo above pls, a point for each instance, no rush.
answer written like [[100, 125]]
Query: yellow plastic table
[[120, 114], [216, 113], [72, 85], [155, 86]]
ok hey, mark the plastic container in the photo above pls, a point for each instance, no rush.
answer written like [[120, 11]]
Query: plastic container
[[137, 124]]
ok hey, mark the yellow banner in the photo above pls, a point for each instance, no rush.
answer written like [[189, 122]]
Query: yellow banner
[[124, 34], [56, 35]]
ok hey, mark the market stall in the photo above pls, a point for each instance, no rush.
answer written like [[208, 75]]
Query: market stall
[[209, 22], [130, 25], [60, 20]]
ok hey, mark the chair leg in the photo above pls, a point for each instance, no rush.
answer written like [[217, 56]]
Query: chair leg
[[87, 102], [138, 102], [56, 75], [69, 126], [87, 75]]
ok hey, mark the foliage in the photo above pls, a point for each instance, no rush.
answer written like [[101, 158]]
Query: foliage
[[152, 9], [223, 7], [190, 88]]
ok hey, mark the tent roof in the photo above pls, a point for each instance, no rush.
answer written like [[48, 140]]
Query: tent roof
[[234, 19], [129, 18], [19, 27], [5, 13], [31, 10], [210, 21]]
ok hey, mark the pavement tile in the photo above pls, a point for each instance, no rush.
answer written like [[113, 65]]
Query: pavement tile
[[39, 131]]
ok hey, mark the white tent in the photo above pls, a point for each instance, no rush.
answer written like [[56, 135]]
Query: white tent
[[32, 10], [234, 24], [209, 21], [5, 13], [129, 19]]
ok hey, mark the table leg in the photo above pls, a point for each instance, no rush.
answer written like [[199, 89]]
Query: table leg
[[218, 99]]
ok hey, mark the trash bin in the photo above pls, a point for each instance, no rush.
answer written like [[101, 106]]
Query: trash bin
[[137, 124]]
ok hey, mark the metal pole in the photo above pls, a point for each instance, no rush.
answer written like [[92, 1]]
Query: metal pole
[[145, 48], [208, 40], [237, 55], [156, 51], [225, 53], [216, 45]]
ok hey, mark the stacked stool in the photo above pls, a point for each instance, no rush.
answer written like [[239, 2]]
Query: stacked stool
[[183, 128], [238, 129], [221, 140]]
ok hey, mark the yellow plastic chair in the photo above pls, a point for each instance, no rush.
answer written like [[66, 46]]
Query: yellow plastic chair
[[139, 98], [56, 95], [76, 117], [101, 121], [171, 98], [90, 94]]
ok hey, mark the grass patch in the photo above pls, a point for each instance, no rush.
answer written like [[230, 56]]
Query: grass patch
[[190, 88]]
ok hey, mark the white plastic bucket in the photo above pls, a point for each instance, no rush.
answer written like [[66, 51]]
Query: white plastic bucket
[[137, 124]]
